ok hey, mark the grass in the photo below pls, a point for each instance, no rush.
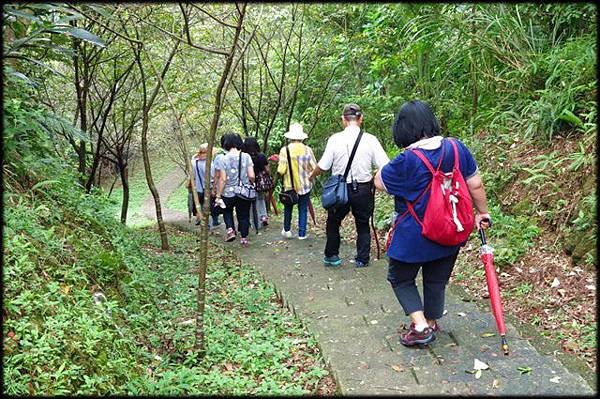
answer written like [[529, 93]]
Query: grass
[[178, 199], [138, 190], [62, 247]]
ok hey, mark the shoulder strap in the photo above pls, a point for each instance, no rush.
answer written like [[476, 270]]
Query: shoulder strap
[[423, 158], [199, 176], [352, 154], [240, 168], [456, 159], [289, 159]]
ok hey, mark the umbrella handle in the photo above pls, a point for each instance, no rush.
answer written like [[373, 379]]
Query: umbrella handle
[[481, 232]]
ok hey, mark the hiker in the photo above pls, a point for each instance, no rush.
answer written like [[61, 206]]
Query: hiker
[[215, 167], [407, 178], [198, 163], [303, 162], [263, 180], [361, 200], [237, 170]]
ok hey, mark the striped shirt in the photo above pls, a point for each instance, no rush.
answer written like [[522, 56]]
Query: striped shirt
[[303, 163]]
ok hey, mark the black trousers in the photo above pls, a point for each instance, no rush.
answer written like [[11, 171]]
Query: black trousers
[[436, 274], [361, 203], [242, 211], [200, 199]]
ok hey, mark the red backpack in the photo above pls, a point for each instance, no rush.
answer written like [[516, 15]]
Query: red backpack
[[448, 219]]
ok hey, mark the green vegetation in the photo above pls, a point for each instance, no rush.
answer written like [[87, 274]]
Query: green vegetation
[[138, 190], [63, 248], [178, 199], [89, 88]]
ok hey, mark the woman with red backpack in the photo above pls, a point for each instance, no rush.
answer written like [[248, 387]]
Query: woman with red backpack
[[436, 185]]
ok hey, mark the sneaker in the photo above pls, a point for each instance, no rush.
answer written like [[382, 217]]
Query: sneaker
[[435, 327], [265, 221], [286, 234], [414, 337], [332, 260], [198, 222], [360, 263], [230, 235], [304, 237], [244, 242]]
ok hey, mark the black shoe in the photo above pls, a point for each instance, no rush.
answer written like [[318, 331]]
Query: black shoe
[[360, 263], [198, 222]]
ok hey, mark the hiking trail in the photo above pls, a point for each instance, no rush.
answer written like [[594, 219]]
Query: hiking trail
[[355, 317]]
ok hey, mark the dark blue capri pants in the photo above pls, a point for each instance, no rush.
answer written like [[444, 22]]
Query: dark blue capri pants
[[436, 274]]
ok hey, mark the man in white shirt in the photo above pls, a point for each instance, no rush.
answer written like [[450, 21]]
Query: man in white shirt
[[369, 154]]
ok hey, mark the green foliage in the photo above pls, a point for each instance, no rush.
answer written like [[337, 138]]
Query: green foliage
[[511, 236]]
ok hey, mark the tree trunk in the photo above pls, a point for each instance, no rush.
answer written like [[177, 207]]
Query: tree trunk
[[124, 173], [201, 293], [147, 104]]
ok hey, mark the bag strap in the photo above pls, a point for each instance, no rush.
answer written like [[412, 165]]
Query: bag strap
[[240, 169], [352, 154], [456, 159], [423, 158], [289, 159], [199, 176]]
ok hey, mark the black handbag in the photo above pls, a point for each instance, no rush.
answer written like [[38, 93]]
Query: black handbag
[[289, 197], [335, 189]]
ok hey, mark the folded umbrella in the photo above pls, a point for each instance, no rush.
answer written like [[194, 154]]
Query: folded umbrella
[[311, 210], [487, 257]]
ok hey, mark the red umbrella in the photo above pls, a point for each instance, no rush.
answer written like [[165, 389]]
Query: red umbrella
[[486, 253]]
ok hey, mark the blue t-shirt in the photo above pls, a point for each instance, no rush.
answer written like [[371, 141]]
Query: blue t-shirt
[[199, 166], [405, 177]]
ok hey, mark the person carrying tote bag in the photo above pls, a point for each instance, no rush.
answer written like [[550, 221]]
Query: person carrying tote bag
[[296, 162], [351, 154], [235, 188]]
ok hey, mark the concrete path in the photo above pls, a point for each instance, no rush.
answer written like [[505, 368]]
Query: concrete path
[[355, 317]]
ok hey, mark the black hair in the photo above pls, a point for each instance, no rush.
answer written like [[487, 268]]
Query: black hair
[[415, 121], [251, 146], [232, 140]]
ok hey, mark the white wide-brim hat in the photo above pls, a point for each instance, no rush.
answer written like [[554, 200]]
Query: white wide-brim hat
[[296, 132]]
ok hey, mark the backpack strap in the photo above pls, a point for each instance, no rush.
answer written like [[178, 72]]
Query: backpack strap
[[456, 159]]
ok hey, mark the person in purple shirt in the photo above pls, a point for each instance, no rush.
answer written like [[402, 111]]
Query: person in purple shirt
[[406, 177]]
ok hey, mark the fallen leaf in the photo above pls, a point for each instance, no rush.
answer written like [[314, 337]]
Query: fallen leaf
[[570, 346], [555, 283], [495, 384], [470, 371], [487, 335], [479, 365], [591, 287], [524, 369], [461, 314], [478, 374], [397, 368], [374, 322], [555, 380]]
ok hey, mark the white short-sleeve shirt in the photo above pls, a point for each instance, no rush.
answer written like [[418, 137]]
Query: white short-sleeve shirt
[[369, 155]]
